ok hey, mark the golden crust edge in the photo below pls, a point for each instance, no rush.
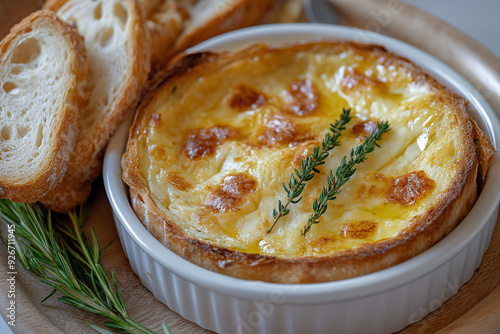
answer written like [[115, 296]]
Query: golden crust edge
[[484, 151]]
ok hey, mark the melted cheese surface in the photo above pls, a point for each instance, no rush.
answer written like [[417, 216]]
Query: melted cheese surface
[[219, 147]]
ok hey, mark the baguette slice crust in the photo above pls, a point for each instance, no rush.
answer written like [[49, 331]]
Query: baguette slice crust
[[43, 67], [119, 61], [206, 160], [164, 23], [211, 18], [175, 26]]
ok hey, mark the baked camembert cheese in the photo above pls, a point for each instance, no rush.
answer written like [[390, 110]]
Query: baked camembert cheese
[[212, 145]]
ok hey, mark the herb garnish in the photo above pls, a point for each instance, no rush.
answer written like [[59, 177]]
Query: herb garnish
[[309, 166], [66, 259], [343, 174]]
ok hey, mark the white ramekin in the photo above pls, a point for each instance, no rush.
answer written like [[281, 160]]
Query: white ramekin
[[382, 302]]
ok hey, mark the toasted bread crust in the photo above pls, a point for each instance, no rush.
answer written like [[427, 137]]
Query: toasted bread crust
[[164, 23], [66, 129], [484, 151], [233, 15], [86, 161], [423, 232], [53, 5]]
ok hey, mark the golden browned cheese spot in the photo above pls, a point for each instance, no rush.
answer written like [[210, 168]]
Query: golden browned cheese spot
[[246, 98], [409, 188], [305, 98], [277, 131], [155, 120], [354, 80], [230, 194], [176, 179], [323, 244], [322, 241], [358, 230], [376, 185], [281, 131], [363, 129], [159, 153], [202, 142]]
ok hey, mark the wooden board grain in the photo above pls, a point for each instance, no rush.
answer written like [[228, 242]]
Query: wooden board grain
[[475, 307]]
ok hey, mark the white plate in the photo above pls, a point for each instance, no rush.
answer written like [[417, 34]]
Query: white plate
[[382, 302]]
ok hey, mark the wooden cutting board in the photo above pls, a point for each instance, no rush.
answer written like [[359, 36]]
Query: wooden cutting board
[[476, 306]]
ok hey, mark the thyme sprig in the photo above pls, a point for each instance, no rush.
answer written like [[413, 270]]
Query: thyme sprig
[[309, 167], [69, 261], [343, 174]]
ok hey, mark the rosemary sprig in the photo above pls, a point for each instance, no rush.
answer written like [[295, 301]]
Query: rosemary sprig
[[343, 174], [66, 259], [309, 166]]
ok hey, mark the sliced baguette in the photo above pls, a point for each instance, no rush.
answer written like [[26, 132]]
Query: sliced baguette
[[209, 18], [165, 22], [119, 60], [43, 65], [175, 26], [284, 11]]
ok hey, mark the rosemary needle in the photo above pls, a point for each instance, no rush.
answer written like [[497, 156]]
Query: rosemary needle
[[309, 166], [69, 261], [343, 174]]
